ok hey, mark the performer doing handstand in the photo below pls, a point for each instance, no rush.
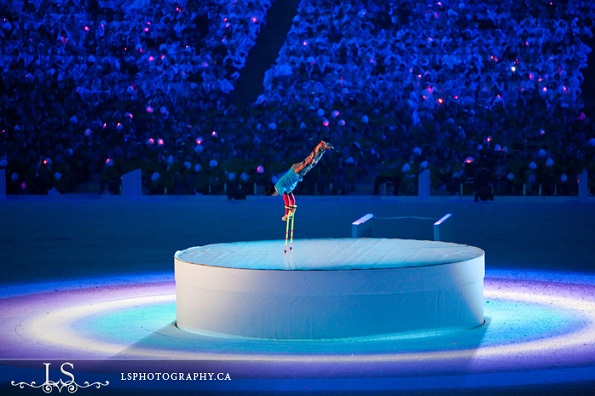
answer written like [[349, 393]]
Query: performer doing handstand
[[288, 182]]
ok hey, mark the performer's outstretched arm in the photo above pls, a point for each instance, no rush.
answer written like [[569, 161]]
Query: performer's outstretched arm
[[301, 168]]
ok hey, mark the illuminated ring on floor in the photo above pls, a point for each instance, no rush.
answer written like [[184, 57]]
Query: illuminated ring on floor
[[86, 327], [61, 318]]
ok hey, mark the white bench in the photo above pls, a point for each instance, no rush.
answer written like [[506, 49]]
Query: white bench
[[442, 228]]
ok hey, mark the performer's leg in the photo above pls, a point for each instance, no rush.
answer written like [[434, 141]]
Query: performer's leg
[[301, 168], [291, 199], [287, 202]]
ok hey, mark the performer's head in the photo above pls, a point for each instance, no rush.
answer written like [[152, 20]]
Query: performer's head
[[270, 190]]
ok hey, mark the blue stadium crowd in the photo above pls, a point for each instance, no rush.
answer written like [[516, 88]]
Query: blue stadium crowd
[[97, 87]]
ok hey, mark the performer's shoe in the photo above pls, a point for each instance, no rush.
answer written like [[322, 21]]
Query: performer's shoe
[[289, 215], [326, 145]]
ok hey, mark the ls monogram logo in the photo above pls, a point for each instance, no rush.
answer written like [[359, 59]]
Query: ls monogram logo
[[70, 385]]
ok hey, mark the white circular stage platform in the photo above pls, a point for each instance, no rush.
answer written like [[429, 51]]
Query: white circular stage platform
[[329, 288]]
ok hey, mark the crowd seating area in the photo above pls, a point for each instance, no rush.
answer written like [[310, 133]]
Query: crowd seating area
[[93, 87]]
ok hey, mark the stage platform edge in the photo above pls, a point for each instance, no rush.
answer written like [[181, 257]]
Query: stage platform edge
[[329, 288]]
